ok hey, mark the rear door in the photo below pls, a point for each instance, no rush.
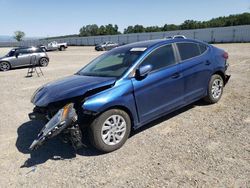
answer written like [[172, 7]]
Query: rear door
[[196, 69], [162, 90]]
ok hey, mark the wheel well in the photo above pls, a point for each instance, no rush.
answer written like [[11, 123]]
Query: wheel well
[[221, 74]]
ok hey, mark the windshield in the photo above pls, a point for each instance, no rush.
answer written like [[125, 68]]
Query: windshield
[[111, 64], [11, 53]]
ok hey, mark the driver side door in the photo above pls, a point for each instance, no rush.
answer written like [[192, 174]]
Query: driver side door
[[162, 90], [23, 57]]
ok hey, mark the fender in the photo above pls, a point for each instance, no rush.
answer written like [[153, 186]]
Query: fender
[[121, 94]]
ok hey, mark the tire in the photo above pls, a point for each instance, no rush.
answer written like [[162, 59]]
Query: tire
[[43, 62], [62, 48], [215, 89], [5, 66], [105, 134]]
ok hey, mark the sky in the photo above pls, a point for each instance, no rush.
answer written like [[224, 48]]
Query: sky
[[49, 18]]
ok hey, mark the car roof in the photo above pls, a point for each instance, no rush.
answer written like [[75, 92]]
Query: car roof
[[24, 47], [151, 43]]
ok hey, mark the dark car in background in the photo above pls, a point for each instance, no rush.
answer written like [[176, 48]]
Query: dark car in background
[[22, 56], [106, 46], [129, 87]]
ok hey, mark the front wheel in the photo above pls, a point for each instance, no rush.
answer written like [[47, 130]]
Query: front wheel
[[5, 66], [215, 89], [110, 130]]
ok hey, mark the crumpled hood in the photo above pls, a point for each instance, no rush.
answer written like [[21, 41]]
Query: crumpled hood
[[69, 87]]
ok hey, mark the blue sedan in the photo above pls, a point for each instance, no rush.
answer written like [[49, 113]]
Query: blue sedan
[[128, 87]]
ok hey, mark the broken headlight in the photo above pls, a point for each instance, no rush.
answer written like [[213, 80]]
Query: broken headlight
[[63, 118]]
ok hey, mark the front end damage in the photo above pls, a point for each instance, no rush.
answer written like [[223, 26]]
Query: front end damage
[[64, 122], [59, 104]]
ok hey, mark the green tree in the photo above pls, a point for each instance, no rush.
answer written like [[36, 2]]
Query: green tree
[[153, 29], [94, 30], [18, 35], [170, 27], [102, 30], [129, 29]]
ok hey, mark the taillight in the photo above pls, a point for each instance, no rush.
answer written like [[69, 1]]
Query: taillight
[[225, 55]]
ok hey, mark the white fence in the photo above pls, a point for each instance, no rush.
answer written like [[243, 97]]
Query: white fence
[[211, 35]]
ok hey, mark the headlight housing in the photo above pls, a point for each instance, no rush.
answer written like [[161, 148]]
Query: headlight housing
[[61, 120]]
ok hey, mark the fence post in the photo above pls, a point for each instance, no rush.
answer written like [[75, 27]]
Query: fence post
[[234, 35], [212, 36]]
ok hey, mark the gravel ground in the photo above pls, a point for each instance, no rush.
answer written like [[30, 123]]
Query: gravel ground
[[198, 146]]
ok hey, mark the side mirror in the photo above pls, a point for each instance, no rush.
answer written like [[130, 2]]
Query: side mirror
[[143, 71], [16, 54]]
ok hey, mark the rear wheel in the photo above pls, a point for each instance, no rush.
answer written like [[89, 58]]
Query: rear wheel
[[43, 62], [5, 66], [110, 130], [215, 89]]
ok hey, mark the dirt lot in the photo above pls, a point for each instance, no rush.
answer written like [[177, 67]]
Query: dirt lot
[[198, 146]]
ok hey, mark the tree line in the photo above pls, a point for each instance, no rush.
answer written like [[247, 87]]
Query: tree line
[[110, 29]]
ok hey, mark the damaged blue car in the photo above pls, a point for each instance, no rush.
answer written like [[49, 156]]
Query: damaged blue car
[[128, 87]]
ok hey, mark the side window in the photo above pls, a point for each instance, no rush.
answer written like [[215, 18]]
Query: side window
[[188, 50], [203, 48], [37, 50], [23, 51], [161, 57]]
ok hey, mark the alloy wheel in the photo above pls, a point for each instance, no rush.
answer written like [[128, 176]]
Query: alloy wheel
[[217, 88], [113, 130], [4, 66]]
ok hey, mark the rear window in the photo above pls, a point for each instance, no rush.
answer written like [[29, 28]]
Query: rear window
[[188, 50], [203, 48]]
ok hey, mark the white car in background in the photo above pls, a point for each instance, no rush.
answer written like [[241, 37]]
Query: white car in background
[[54, 46]]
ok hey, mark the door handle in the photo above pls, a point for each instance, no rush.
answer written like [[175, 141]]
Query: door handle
[[207, 62], [175, 75]]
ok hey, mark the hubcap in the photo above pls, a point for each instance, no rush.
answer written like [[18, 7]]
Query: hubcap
[[113, 130], [4, 66], [44, 62], [217, 88]]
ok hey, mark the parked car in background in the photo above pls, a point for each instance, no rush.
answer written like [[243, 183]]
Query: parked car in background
[[21, 56], [52, 46], [42, 47], [127, 88], [106, 46]]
